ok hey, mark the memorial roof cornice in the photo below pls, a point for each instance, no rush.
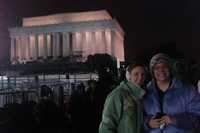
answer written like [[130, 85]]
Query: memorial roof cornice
[[68, 27]]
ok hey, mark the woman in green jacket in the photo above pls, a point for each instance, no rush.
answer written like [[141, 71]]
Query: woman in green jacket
[[123, 108]]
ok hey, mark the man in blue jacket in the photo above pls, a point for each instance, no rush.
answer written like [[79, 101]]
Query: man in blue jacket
[[170, 105]]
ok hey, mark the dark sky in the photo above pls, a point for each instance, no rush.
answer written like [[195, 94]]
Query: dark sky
[[150, 25]]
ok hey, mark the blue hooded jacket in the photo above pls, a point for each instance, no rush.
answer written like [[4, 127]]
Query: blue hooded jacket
[[181, 102]]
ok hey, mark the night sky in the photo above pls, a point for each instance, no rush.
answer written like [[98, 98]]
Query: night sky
[[171, 26]]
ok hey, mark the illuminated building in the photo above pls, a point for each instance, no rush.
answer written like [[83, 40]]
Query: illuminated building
[[41, 47], [66, 34]]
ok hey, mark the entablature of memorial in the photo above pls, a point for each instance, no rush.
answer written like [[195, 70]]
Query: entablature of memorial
[[68, 27]]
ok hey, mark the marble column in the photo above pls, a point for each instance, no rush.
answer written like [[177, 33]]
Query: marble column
[[100, 44], [49, 45], [108, 42], [23, 47], [77, 43], [55, 45], [66, 44], [104, 46], [84, 44], [36, 46], [73, 43], [41, 46], [122, 58], [80, 45], [28, 47], [18, 48], [13, 50], [87, 43], [96, 40], [113, 43], [33, 50], [119, 46], [45, 45], [60, 44], [93, 43]]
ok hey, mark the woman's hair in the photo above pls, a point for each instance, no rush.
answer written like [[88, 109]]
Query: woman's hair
[[130, 67], [159, 58]]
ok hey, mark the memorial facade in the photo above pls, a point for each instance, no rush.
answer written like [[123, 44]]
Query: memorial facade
[[61, 35]]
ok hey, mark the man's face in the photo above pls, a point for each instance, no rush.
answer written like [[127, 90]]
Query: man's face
[[161, 72], [138, 75]]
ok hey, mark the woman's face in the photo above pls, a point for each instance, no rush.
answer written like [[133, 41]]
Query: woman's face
[[138, 75], [161, 72]]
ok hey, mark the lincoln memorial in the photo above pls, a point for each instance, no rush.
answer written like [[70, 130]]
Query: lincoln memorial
[[66, 34]]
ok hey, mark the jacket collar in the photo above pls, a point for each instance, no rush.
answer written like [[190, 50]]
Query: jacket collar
[[136, 90], [174, 84]]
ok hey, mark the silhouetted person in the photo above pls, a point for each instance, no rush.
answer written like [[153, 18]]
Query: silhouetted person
[[90, 103], [81, 88], [83, 111], [47, 112]]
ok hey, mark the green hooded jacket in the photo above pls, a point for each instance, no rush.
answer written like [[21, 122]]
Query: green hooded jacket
[[123, 110]]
